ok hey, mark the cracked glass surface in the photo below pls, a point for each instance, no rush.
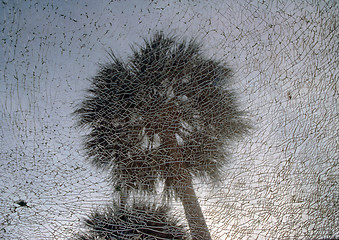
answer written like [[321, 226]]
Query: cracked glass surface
[[280, 180]]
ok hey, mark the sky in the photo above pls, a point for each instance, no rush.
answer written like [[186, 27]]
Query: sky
[[282, 181]]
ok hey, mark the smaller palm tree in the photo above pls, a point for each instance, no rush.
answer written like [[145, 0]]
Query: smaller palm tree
[[141, 221]]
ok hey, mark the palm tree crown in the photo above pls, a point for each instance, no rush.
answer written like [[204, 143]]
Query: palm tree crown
[[141, 221], [168, 95]]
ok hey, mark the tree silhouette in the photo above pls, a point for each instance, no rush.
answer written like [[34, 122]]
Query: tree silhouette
[[142, 221], [166, 116]]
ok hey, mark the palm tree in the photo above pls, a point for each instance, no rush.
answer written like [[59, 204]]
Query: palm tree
[[166, 116], [142, 221]]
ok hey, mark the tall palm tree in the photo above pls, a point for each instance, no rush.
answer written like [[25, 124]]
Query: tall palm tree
[[165, 115], [141, 221]]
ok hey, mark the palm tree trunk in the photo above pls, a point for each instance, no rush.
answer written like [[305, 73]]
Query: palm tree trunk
[[194, 216], [186, 193]]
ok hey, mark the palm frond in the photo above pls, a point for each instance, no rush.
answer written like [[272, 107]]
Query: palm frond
[[141, 221]]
